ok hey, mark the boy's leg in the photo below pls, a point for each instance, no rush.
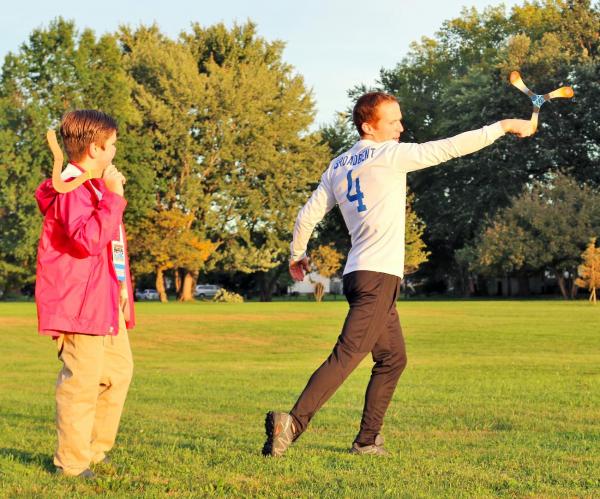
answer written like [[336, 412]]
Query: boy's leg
[[370, 295], [389, 355], [114, 384], [76, 395]]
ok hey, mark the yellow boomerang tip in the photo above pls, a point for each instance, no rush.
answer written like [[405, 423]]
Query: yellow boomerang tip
[[564, 92], [514, 77]]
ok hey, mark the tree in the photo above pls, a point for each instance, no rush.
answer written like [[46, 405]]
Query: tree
[[545, 228], [164, 241], [56, 70], [415, 252], [326, 261], [458, 80], [257, 156], [589, 270]]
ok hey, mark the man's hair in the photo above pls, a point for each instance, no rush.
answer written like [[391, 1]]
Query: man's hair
[[83, 127], [365, 109]]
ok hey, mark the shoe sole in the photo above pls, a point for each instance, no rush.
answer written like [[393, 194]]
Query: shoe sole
[[269, 430]]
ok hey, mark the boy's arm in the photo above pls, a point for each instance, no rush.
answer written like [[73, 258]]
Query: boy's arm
[[411, 157], [90, 227]]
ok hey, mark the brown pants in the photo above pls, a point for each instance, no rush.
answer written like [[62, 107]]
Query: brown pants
[[90, 393], [372, 325]]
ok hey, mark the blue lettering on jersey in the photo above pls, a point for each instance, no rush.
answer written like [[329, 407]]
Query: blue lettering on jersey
[[359, 194], [354, 159]]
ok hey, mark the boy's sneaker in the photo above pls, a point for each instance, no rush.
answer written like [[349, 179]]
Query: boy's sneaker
[[375, 449], [280, 433], [87, 473]]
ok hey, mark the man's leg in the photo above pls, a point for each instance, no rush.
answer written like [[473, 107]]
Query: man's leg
[[76, 395], [370, 295], [389, 354], [114, 384]]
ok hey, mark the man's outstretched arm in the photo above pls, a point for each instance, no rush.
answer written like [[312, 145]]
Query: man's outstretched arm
[[412, 157]]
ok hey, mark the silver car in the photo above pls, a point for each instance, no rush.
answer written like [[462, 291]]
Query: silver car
[[206, 290]]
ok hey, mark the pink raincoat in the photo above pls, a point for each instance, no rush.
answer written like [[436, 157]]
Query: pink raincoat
[[76, 289]]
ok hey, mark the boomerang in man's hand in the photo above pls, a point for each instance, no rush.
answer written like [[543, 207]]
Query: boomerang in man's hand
[[539, 100], [60, 185]]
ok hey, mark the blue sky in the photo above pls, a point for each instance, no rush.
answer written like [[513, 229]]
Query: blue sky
[[334, 44]]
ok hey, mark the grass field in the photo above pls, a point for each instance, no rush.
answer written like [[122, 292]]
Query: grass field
[[498, 399]]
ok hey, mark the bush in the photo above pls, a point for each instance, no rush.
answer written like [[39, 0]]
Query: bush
[[224, 296]]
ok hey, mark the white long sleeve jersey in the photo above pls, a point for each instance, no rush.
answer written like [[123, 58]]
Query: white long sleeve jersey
[[368, 182]]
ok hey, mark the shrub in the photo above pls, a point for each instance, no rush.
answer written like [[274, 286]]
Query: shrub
[[224, 296]]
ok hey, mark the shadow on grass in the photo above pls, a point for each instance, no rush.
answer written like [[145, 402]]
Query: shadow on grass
[[24, 457]]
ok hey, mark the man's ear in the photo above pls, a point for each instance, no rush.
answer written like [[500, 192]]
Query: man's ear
[[367, 128]]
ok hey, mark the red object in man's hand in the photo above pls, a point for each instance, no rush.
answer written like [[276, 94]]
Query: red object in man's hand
[[299, 268]]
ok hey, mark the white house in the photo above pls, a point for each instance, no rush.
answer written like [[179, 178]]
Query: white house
[[307, 286]]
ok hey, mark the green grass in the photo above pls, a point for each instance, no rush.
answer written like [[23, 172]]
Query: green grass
[[498, 399]]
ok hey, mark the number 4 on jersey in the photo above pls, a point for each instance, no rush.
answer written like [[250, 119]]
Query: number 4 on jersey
[[359, 194]]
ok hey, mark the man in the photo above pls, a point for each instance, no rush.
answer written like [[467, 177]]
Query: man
[[368, 182]]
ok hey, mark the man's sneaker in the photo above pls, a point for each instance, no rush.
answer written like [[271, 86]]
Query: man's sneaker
[[280, 433], [375, 449]]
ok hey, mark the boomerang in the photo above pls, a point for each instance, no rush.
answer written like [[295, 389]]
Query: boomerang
[[59, 184], [539, 100]]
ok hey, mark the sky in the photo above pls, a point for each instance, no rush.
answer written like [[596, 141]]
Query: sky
[[333, 44]]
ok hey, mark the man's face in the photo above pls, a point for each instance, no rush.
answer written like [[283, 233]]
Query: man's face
[[388, 125], [107, 151]]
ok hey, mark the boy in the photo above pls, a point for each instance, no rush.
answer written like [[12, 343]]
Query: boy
[[368, 182], [83, 293]]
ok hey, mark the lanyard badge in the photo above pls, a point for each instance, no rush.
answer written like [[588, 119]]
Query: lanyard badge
[[118, 256]]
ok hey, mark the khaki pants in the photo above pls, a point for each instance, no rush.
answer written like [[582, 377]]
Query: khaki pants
[[90, 394]]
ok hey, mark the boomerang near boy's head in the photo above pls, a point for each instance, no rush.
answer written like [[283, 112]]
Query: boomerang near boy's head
[[539, 100], [86, 134]]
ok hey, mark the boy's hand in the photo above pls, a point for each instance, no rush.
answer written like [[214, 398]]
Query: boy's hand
[[297, 269], [114, 180], [521, 128]]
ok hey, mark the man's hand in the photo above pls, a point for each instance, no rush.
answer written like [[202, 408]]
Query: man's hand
[[114, 179], [299, 268], [521, 128]]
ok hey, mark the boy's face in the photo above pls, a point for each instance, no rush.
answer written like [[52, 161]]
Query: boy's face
[[105, 153]]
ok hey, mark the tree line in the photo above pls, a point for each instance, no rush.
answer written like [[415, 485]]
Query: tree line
[[215, 139]]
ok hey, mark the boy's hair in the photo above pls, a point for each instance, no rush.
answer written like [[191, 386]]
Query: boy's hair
[[83, 127], [365, 109]]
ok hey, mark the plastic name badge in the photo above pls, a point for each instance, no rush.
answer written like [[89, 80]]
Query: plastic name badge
[[118, 257]]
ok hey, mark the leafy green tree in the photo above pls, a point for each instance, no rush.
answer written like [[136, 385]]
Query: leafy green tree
[[257, 156], [545, 228], [458, 80], [56, 70]]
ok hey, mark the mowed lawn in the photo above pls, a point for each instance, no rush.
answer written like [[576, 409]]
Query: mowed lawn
[[499, 398]]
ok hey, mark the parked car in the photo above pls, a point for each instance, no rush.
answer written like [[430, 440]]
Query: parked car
[[146, 294], [206, 290]]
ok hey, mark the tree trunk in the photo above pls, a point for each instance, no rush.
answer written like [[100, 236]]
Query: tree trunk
[[187, 288], [178, 282], [524, 289], [319, 291], [160, 286], [561, 284], [573, 292]]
